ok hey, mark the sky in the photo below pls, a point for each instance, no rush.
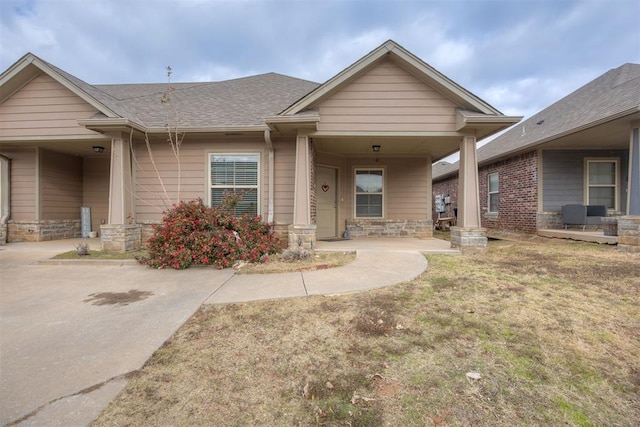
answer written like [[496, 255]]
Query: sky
[[518, 55]]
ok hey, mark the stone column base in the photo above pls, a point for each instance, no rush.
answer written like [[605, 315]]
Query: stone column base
[[629, 233], [120, 237], [467, 239], [302, 236]]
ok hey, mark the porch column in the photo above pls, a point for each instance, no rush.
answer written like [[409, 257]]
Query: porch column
[[468, 233], [633, 194], [121, 233], [302, 232], [629, 225]]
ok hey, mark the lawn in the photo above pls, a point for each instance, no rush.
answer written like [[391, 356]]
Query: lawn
[[552, 331]]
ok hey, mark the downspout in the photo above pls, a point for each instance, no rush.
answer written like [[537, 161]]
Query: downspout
[[4, 191], [267, 140]]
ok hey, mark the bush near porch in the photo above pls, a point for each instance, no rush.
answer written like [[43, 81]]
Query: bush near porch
[[192, 233]]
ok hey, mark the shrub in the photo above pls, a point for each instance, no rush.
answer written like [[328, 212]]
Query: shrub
[[191, 233]]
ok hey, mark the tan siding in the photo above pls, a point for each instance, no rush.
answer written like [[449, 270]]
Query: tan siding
[[23, 184], [387, 98], [284, 172], [44, 108], [61, 186], [150, 198], [405, 192], [95, 190]]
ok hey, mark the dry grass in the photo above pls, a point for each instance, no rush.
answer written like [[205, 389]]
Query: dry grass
[[553, 329], [317, 261]]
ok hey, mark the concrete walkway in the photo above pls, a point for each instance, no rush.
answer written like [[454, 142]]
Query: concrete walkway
[[70, 333]]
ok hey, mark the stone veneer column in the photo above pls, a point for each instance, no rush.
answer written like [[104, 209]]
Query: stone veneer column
[[468, 233], [121, 233], [302, 232]]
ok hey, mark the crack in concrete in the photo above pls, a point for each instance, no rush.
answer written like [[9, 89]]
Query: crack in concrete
[[126, 376]]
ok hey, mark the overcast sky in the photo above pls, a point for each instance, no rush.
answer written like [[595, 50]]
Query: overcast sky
[[518, 55]]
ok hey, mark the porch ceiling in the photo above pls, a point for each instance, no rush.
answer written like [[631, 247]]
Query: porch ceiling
[[81, 148], [390, 146], [613, 135]]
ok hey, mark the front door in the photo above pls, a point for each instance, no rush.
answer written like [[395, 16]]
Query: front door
[[327, 203]]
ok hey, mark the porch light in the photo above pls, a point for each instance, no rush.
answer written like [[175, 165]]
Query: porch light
[[375, 148], [98, 149]]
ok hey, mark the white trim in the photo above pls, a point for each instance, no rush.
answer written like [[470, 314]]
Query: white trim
[[616, 190], [355, 193], [258, 186], [489, 192]]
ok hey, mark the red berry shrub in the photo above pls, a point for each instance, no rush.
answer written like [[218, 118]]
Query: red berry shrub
[[192, 233]]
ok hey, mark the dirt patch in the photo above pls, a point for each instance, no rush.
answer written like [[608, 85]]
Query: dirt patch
[[118, 298]]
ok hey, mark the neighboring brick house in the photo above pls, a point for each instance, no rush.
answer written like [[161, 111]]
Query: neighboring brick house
[[352, 154], [583, 149]]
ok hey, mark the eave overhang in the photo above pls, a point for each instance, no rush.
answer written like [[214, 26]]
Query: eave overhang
[[286, 124], [483, 125]]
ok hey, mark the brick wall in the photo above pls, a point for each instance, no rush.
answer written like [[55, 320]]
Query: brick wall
[[518, 203], [446, 187]]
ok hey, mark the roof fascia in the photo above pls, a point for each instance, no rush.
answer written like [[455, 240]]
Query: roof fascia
[[466, 120], [111, 124], [30, 59]]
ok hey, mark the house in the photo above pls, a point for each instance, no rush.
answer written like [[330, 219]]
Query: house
[[583, 149], [316, 160]]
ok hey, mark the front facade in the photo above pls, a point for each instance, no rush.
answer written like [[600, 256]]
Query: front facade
[[350, 157], [581, 150]]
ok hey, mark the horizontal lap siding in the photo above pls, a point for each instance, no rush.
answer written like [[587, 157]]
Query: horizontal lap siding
[[23, 183], [284, 172], [150, 198], [387, 98], [61, 186], [407, 189], [44, 108], [96, 190]]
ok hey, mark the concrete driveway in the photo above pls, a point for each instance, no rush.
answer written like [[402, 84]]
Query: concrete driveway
[[69, 334]]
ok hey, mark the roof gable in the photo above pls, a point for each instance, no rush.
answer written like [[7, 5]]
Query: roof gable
[[392, 51], [30, 66]]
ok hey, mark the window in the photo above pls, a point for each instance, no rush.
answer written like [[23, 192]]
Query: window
[[369, 193], [494, 192], [602, 182], [238, 174]]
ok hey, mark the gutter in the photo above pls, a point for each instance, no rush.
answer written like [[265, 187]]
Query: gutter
[[267, 140]]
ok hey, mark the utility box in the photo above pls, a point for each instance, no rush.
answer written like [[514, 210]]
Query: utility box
[[85, 221]]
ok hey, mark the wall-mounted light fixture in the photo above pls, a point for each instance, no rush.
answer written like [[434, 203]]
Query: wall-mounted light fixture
[[98, 149], [375, 148]]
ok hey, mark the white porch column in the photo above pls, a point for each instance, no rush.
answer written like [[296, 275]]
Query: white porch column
[[302, 232], [121, 233], [468, 232]]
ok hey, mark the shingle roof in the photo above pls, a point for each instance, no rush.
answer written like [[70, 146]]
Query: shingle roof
[[615, 92], [239, 102]]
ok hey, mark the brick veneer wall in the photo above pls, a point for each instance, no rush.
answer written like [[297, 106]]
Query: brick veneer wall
[[446, 187], [518, 204]]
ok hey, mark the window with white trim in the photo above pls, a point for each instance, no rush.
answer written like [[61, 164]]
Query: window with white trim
[[237, 174], [602, 182], [493, 187], [369, 193]]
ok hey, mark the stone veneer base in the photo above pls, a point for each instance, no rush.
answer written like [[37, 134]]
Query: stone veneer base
[[302, 236], [629, 233], [466, 239], [389, 228], [120, 237], [44, 230]]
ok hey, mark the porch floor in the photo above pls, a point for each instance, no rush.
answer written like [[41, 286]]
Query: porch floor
[[428, 245], [584, 236]]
